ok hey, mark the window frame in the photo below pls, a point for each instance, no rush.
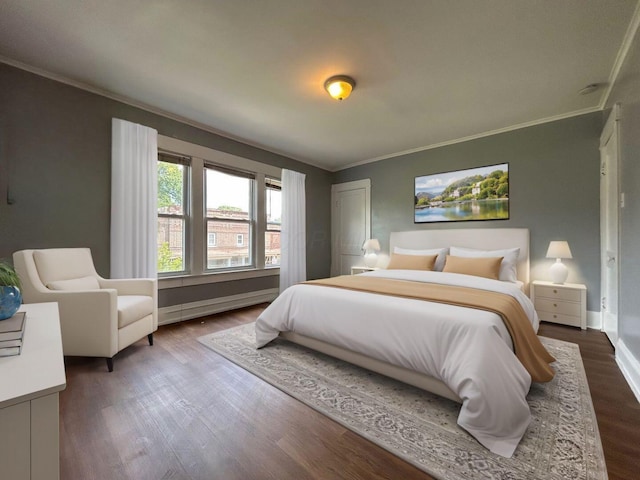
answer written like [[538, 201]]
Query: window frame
[[272, 184], [197, 239], [185, 161], [250, 221]]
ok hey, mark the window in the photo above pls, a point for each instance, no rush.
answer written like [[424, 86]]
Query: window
[[211, 213], [229, 216], [273, 201], [172, 212]]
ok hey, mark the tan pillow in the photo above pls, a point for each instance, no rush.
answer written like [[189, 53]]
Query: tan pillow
[[488, 267], [411, 262], [84, 283]]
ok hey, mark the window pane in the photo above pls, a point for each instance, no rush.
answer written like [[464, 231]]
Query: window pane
[[274, 214], [271, 249], [274, 208], [171, 188], [231, 248], [228, 196], [170, 244]]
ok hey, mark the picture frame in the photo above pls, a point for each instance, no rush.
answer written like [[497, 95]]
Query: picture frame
[[479, 193]]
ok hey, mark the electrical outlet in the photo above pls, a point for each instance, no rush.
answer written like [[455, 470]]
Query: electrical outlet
[[622, 200]]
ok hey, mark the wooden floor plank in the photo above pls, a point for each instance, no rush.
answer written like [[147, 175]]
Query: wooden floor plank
[[179, 411]]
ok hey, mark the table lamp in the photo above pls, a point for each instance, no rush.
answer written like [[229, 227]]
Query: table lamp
[[559, 250], [370, 248]]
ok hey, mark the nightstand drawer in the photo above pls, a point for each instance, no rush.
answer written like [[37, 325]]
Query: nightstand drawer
[[559, 318], [557, 306], [559, 293]]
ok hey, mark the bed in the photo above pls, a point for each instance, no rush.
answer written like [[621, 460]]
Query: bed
[[462, 354]]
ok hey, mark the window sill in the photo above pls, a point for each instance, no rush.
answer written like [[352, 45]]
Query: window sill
[[205, 278]]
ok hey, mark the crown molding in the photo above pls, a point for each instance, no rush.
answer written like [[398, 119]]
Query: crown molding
[[622, 55], [474, 137], [148, 108]]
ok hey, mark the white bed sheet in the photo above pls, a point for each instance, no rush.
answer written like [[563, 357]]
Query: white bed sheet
[[469, 350]]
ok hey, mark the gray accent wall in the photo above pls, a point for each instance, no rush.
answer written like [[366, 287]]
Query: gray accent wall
[[627, 93], [553, 183], [55, 176]]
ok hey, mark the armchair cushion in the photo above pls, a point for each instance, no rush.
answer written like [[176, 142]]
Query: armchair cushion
[[63, 264], [84, 283], [132, 308]]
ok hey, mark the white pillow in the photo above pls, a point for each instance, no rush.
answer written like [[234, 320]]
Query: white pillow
[[508, 272], [84, 283], [441, 252]]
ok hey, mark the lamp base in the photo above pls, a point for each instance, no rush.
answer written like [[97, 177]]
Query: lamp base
[[371, 260], [559, 272]]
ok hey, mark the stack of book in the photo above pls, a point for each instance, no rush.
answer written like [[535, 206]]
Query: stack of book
[[11, 335]]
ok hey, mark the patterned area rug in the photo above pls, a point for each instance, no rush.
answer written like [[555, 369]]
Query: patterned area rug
[[562, 441]]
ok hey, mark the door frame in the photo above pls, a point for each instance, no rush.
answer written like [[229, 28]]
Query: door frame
[[336, 189], [611, 129]]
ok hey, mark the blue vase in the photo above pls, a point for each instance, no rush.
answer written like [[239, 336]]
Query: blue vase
[[10, 301]]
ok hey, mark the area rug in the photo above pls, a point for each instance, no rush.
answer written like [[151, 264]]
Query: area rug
[[562, 441]]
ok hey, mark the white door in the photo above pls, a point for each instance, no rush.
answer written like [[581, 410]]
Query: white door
[[609, 213], [350, 224]]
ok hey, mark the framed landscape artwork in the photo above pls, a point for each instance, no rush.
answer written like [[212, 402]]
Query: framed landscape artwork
[[475, 194]]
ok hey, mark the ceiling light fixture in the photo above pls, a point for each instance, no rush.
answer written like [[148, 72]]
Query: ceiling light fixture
[[339, 86]]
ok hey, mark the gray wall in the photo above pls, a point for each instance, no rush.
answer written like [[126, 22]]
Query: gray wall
[[553, 183], [627, 93], [55, 161]]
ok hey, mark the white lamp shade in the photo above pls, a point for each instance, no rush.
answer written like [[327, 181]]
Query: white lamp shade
[[371, 244], [559, 249]]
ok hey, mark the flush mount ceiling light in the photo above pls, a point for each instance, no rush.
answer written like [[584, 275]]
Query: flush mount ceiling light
[[339, 86]]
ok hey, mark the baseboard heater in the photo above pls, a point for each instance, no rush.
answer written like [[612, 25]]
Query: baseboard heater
[[202, 308]]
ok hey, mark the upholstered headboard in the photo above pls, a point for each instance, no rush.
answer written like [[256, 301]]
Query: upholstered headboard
[[481, 238]]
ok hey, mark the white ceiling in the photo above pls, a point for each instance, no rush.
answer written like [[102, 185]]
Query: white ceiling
[[428, 72]]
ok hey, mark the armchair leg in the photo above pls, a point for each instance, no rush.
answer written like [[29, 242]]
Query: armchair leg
[[110, 364], [150, 338]]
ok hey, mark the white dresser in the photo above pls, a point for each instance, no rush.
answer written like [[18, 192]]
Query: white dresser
[[29, 386], [560, 303]]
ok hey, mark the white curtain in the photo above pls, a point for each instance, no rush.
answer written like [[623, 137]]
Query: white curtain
[[134, 197], [293, 257]]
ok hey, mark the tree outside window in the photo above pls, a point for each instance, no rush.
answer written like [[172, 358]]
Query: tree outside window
[[171, 215]]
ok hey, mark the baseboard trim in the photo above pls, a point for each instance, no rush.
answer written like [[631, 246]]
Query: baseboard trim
[[629, 366], [188, 311], [594, 320]]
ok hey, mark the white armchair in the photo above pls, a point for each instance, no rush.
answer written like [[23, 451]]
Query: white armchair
[[98, 317]]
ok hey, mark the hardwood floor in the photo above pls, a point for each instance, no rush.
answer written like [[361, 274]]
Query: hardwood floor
[[179, 411]]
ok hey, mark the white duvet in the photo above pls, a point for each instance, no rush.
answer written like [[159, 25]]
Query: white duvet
[[469, 350]]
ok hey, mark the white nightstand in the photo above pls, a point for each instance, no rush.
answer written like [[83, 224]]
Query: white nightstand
[[357, 270], [560, 303]]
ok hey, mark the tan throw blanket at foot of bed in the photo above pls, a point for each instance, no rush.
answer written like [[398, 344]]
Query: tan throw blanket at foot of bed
[[526, 344]]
